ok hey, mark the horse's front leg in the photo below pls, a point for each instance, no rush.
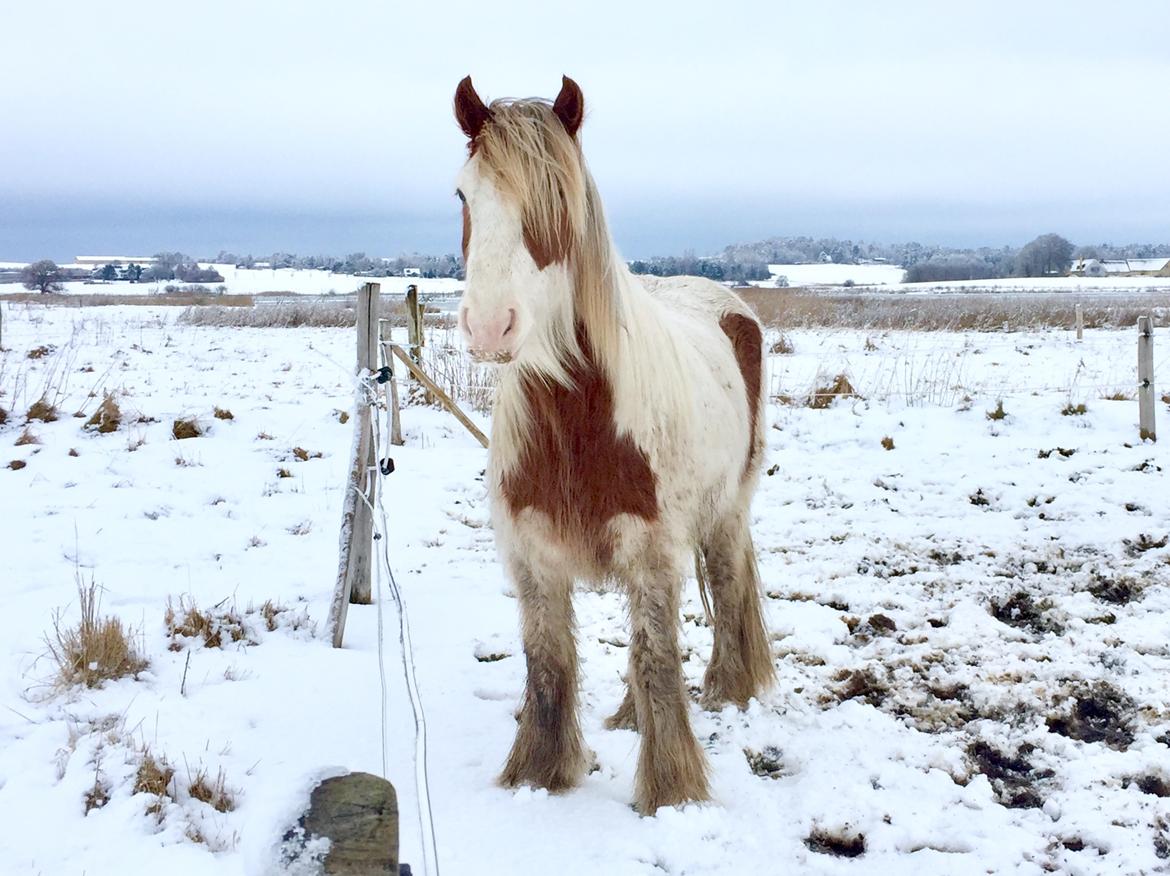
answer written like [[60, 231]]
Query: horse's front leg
[[548, 751], [671, 766]]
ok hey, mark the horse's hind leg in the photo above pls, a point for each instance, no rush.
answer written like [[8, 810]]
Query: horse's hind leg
[[741, 660], [548, 751], [671, 766]]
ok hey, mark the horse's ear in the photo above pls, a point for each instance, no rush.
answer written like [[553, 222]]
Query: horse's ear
[[469, 109], [570, 105]]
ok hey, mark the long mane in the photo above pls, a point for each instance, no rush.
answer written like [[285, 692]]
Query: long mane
[[534, 160]]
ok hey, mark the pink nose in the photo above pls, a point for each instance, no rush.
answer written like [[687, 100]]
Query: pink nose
[[492, 336]]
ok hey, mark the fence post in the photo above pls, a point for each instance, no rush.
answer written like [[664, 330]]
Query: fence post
[[395, 413], [357, 522], [1080, 312], [1146, 378], [414, 323]]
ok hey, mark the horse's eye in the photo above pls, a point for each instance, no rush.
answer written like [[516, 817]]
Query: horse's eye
[[459, 194]]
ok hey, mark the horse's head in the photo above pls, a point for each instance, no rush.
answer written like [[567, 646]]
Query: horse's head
[[525, 193]]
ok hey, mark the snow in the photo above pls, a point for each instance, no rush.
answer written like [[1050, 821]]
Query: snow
[[835, 275], [845, 530]]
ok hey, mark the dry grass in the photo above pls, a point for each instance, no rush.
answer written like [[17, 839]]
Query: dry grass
[[782, 346], [888, 443], [186, 428], [154, 777], [179, 299], [824, 396], [215, 794], [342, 416], [107, 418], [277, 614], [42, 409], [1071, 410], [1119, 395], [215, 627], [17, 464], [999, 413], [27, 437], [950, 311], [4, 416], [40, 352], [305, 455], [283, 472], [223, 414], [299, 311], [97, 649]]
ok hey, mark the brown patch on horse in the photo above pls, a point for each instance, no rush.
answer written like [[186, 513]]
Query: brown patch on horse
[[551, 246], [748, 343], [573, 466], [466, 230]]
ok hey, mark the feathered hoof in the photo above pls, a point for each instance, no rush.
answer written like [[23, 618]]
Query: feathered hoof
[[626, 717]]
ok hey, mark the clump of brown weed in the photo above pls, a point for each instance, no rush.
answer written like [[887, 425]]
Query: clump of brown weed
[[999, 413], [888, 443], [97, 649], [826, 395], [216, 626], [782, 346], [215, 794], [186, 428], [27, 437], [42, 409], [154, 777], [107, 418], [223, 414]]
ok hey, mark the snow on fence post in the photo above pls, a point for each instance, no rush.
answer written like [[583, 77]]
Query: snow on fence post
[[1080, 314], [1145, 327], [357, 522], [384, 340]]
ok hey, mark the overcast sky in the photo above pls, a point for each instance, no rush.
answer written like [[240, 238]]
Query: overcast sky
[[327, 127]]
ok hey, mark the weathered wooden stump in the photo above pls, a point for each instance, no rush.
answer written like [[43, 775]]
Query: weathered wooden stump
[[358, 814]]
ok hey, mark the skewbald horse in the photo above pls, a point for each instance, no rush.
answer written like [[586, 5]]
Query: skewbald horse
[[627, 439]]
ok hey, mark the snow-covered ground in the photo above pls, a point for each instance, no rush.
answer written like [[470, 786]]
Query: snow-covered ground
[[937, 609], [889, 278], [836, 275], [244, 281]]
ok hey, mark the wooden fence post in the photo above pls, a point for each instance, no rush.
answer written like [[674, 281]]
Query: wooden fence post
[[1146, 378], [1080, 313], [414, 324], [357, 521], [395, 414]]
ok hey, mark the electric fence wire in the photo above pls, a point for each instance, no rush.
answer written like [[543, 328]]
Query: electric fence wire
[[421, 777]]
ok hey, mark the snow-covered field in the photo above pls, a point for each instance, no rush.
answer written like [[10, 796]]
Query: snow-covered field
[[889, 278], [243, 281], [970, 629]]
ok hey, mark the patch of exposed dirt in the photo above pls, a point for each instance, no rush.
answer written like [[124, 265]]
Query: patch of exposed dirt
[[1098, 713]]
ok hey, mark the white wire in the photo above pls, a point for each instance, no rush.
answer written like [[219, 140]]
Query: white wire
[[421, 778]]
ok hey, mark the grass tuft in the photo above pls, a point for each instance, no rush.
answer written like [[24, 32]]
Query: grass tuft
[[223, 414], [107, 418], [215, 627], [42, 409], [1071, 410], [888, 443], [154, 777], [782, 346], [97, 649], [186, 428], [999, 413], [215, 794], [826, 395], [17, 464], [40, 352]]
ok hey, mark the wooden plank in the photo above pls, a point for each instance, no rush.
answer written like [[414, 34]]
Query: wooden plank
[[357, 522], [433, 388], [414, 323], [387, 359], [1145, 327]]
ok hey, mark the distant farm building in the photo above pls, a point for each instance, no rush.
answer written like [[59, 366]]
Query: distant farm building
[[411, 272], [1158, 267]]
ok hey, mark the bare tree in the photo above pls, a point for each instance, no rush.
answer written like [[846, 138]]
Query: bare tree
[[1047, 254], [43, 276]]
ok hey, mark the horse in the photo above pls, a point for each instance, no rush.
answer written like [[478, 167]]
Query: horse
[[626, 442]]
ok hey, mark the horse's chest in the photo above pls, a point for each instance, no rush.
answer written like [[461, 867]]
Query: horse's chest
[[572, 465]]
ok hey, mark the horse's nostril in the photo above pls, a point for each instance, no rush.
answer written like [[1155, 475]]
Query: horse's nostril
[[511, 321]]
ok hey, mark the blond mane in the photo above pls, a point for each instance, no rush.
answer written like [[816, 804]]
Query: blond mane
[[532, 158]]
